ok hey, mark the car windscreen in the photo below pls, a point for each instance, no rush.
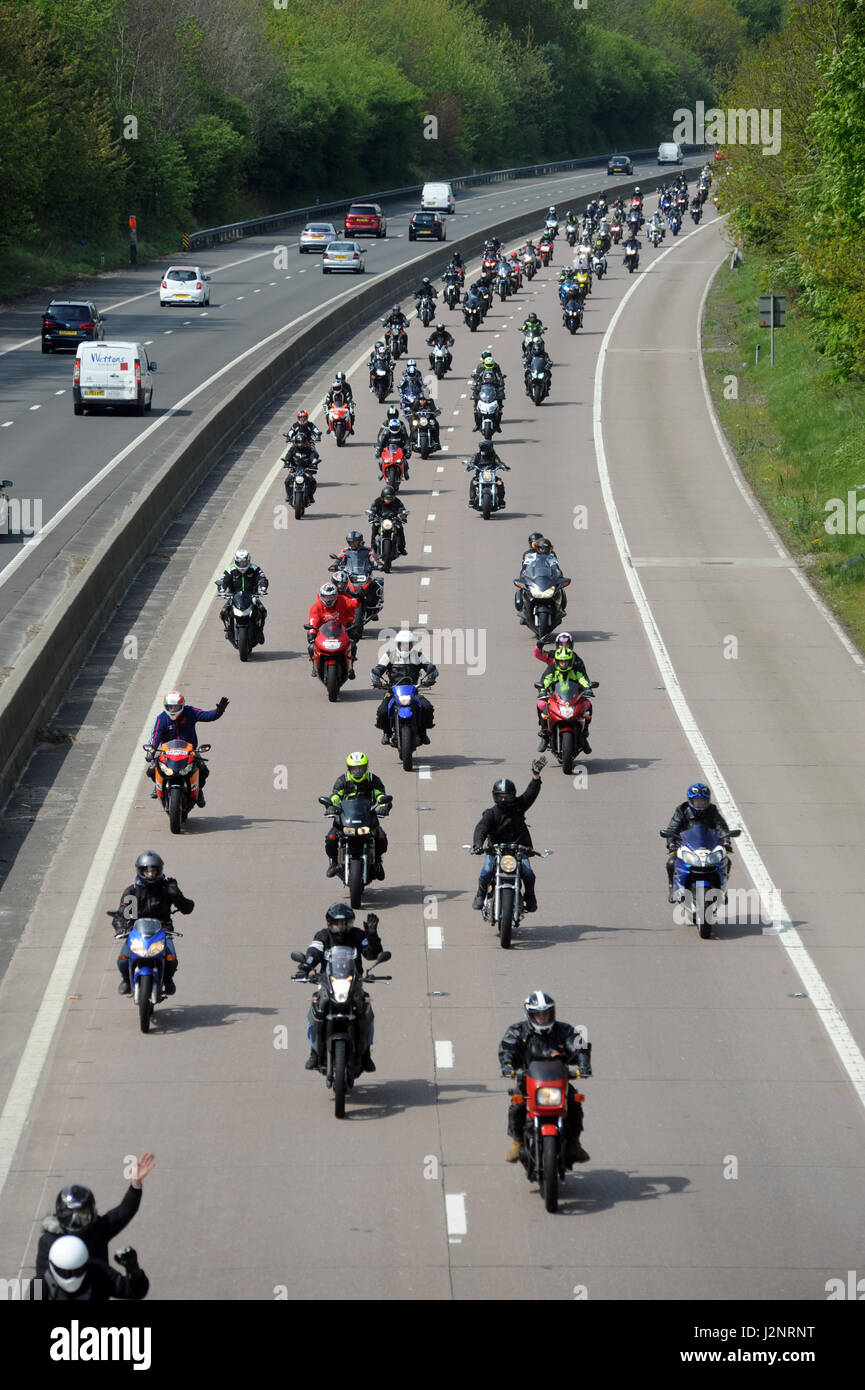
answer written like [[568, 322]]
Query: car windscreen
[[321, 228], [363, 210], [178, 274], [70, 313]]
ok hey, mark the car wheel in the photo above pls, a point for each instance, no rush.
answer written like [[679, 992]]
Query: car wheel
[[79, 409], [149, 404], [46, 349], [163, 304]]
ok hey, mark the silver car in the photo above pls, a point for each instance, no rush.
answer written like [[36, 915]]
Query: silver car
[[343, 255], [316, 236]]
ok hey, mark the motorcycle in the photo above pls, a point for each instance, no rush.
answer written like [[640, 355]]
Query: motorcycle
[[674, 222], [529, 266], [392, 465], [362, 582], [616, 231], [571, 233], [568, 703], [452, 293], [696, 214], [354, 819], [503, 280], [409, 395], [440, 359], [572, 315], [337, 1013], [566, 286], [632, 259], [381, 380], [422, 434], [656, 236], [583, 281], [404, 716], [541, 599], [339, 420], [543, 1089], [488, 492], [176, 764], [485, 293], [488, 410], [551, 227], [537, 380], [426, 309], [472, 316], [397, 341], [331, 656], [244, 631], [599, 265], [504, 902], [545, 249], [385, 538], [700, 873], [150, 941]]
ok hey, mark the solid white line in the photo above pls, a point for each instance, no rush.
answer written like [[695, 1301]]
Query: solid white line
[[444, 1054], [435, 939], [455, 1214], [830, 1015], [67, 507], [429, 844]]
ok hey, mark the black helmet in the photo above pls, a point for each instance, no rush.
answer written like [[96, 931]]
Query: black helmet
[[543, 546], [354, 540], [534, 538], [540, 1011], [392, 412], [75, 1209], [395, 309], [504, 792], [339, 916], [149, 860], [426, 280], [485, 447], [387, 493], [440, 328]]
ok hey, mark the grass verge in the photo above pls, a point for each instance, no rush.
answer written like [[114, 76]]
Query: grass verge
[[800, 439]]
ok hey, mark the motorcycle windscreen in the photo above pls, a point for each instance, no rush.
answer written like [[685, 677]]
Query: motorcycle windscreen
[[356, 563], [568, 692], [403, 697], [148, 928], [176, 750], [541, 571], [242, 601], [488, 393], [546, 1069], [700, 837], [341, 961], [331, 631], [357, 810]]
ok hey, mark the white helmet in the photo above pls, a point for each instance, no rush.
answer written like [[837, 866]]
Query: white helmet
[[540, 1011], [242, 560], [404, 641], [67, 1260]]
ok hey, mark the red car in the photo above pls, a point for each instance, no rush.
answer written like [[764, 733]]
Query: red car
[[365, 219]]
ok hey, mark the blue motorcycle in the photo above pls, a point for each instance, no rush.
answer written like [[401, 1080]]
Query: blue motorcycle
[[700, 873], [150, 941], [406, 720], [409, 395]]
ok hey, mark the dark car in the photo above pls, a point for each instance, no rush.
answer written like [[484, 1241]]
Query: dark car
[[365, 219], [619, 164], [66, 323], [430, 224]]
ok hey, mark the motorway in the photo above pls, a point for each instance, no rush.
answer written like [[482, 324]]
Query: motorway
[[724, 1117]]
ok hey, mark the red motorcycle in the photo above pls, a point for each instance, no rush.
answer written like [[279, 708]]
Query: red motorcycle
[[331, 657], [568, 704], [545, 249], [392, 465], [517, 270], [616, 230], [339, 422], [543, 1090]]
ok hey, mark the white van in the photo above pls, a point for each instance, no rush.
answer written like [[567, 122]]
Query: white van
[[112, 374], [670, 153], [439, 197]]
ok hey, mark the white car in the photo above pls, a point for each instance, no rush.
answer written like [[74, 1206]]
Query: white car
[[343, 255], [184, 284], [316, 236]]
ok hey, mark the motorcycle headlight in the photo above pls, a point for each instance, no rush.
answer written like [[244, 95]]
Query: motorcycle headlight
[[156, 948], [423, 420], [549, 1095], [716, 856], [566, 711], [387, 525], [331, 644], [540, 593], [404, 699], [691, 856], [341, 989], [509, 863], [138, 948], [363, 830], [348, 830], [166, 767], [487, 475]]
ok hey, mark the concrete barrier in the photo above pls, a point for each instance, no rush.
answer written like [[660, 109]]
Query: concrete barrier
[[110, 560]]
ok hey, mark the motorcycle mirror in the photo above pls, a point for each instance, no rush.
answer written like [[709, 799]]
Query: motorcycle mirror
[[518, 584], [296, 955], [324, 801], [385, 956], [733, 833], [595, 684], [663, 834], [565, 583], [204, 747], [333, 556]]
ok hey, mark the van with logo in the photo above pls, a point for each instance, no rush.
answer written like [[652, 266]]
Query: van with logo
[[438, 197], [112, 374]]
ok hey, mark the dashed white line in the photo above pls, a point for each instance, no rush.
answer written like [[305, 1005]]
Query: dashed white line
[[444, 1054], [61, 393], [425, 580], [455, 1208], [35, 407], [435, 493], [422, 619], [430, 845], [440, 468], [430, 516], [435, 939], [424, 772], [6, 424], [427, 550]]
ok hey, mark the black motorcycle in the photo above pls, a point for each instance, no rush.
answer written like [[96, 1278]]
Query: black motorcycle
[[355, 820], [537, 380], [489, 494], [472, 316], [572, 315], [338, 1018], [245, 619], [298, 489], [504, 903], [397, 341], [540, 598], [386, 535], [426, 309]]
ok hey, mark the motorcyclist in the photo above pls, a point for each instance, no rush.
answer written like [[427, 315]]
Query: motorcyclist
[[303, 430], [243, 577], [697, 809], [412, 380], [486, 457], [563, 663], [489, 365], [396, 321], [454, 275], [305, 456], [340, 930], [504, 823], [340, 384], [387, 504], [535, 539], [394, 432], [441, 337], [538, 349], [427, 406], [73, 1275], [404, 664], [357, 780], [354, 541], [178, 720], [531, 328], [553, 216], [472, 298], [457, 260], [426, 288], [631, 241], [541, 548], [332, 606], [151, 894], [539, 1038], [379, 357], [75, 1214]]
